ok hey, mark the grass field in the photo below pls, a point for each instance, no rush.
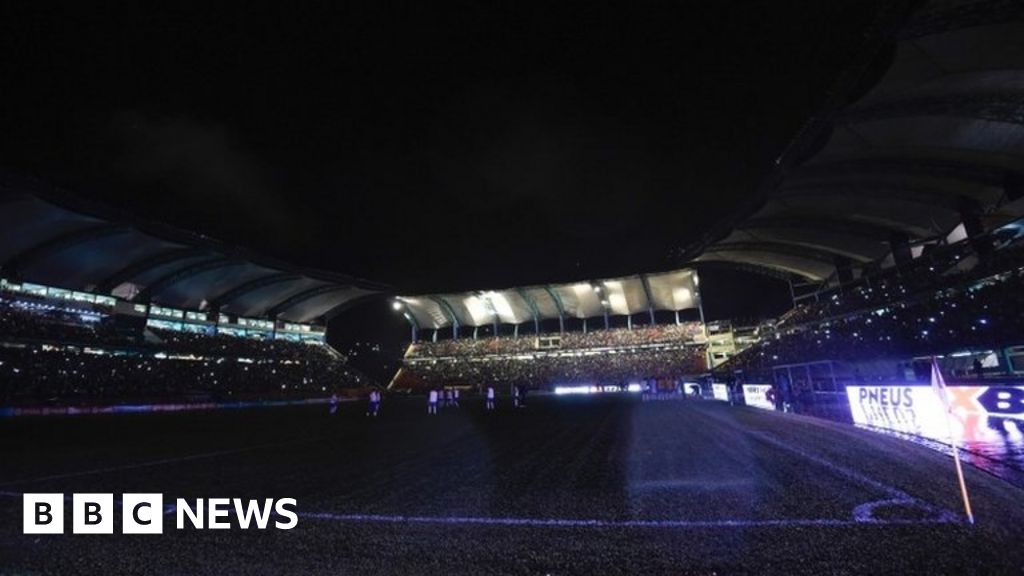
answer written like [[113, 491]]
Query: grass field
[[563, 486]]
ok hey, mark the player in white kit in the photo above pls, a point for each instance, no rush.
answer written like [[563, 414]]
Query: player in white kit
[[432, 402], [490, 398]]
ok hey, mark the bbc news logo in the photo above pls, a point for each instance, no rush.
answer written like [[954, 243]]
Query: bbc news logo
[[144, 513]]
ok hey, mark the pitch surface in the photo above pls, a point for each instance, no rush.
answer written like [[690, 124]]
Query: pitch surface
[[563, 486]]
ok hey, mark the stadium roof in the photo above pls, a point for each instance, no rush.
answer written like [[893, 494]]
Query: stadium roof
[[940, 136], [665, 291], [51, 239]]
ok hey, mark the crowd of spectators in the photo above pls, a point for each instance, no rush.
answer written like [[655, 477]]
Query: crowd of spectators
[[52, 355], [616, 357], [35, 321], [984, 313], [30, 374], [688, 332], [172, 341], [942, 267]]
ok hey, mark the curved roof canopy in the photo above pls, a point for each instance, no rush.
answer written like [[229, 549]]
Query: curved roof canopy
[[53, 241], [937, 141], [665, 291]]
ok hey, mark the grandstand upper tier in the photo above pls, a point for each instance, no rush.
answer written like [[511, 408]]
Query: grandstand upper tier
[[933, 150], [673, 291], [50, 238]]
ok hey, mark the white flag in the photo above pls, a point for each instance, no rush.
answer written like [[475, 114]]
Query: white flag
[[938, 384]]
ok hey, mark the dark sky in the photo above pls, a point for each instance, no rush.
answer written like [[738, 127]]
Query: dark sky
[[432, 147], [470, 146]]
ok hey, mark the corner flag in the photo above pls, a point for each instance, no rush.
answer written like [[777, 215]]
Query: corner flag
[[939, 386]]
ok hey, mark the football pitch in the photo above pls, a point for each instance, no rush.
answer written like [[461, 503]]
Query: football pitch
[[581, 485]]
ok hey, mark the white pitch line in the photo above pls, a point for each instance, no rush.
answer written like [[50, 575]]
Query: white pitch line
[[862, 513], [596, 523]]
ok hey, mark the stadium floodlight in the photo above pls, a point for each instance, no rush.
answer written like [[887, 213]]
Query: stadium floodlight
[[397, 305]]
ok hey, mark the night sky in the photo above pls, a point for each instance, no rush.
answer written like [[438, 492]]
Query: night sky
[[473, 145]]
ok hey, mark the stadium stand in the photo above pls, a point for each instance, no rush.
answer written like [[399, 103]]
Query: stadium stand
[[607, 355], [895, 214], [952, 303], [97, 308], [615, 356], [611, 338], [50, 354]]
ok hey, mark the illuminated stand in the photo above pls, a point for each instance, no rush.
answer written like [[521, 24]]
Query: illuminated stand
[[93, 307], [675, 291]]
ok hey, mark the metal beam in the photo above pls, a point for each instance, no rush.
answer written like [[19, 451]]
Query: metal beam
[[251, 286], [301, 297], [758, 269], [558, 304], [140, 267], [170, 279], [824, 243], [22, 260], [794, 250], [748, 260], [447, 308], [533, 309], [647, 293]]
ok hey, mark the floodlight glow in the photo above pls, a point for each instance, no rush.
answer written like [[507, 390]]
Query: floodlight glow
[[618, 302], [502, 307], [478, 310], [396, 305], [682, 297]]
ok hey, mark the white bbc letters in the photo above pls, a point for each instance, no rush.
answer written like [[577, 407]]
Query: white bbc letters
[[219, 509], [142, 514], [92, 514], [42, 514]]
